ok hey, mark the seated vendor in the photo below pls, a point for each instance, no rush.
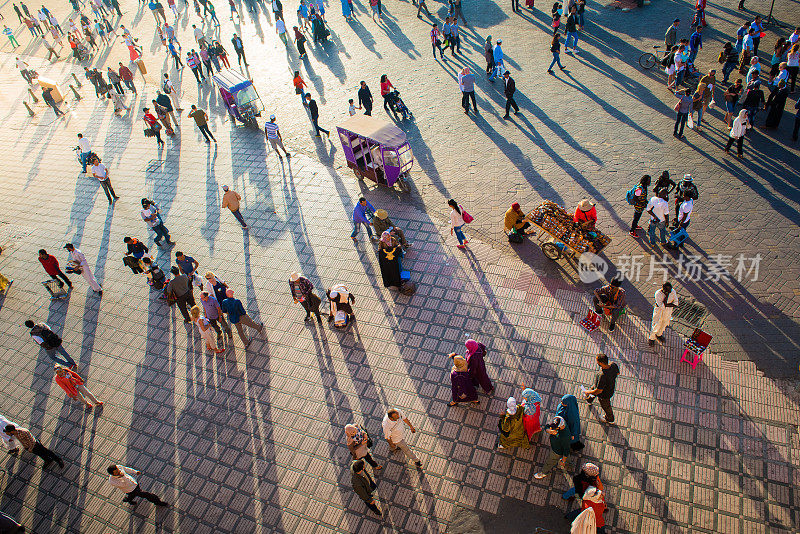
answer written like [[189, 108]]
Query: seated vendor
[[585, 216], [611, 297], [515, 219], [382, 223]]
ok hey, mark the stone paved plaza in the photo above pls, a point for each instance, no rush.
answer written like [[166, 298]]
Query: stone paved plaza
[[252, 440]]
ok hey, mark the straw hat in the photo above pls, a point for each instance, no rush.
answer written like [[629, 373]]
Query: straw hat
[[294, 277], [585, 205], [381, 214]]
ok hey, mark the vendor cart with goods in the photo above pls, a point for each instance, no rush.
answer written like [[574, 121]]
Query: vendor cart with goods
[[560, 236]]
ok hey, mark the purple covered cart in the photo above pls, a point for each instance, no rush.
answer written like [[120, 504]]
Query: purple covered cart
[[376, 149]]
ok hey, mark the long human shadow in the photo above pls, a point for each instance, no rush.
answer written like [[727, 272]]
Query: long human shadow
[[366, 37], [397, 36], [50, 514], [328, 54], [211, 223], [151, 437]]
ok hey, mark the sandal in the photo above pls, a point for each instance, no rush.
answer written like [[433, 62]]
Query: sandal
[[452, 404]]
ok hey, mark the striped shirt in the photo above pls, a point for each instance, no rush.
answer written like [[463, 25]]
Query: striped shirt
[[271, 130]]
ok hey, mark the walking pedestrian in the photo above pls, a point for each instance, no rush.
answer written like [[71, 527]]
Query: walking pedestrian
[[50, 50], [127, 77], [238, 47], [123, 479], [10, 442], [78, 263], [758, 31], [666, 299], [604, 387], [555, 48], [100, 171], [457, 223], [303, 292], [194, 63], [363, 212], [394, 432], [31, 444], [300, 43], [151, 215], [731, 98], [568, 409], [273, 134], [422, 5], [461, 387], [201, 119], [498, 67], [299, 86], [47, 96], [512, 427], [588, 476], [682, 108], [153, 128], [753, 101], [180, 291], [44, 336], [51, 267], [637, 196], [466, 82], [475, 354], [359, 442], [488, 53], [365, 98], [204, 326], [531, 415], [238, 316], [10, 34], [559, 448], [230, 200], [510, 89], [571, 30], [19, 13], [314, 112], [363, 485], [74, 386], [738, 129], [695, 43], [436, 41], [116, 80]]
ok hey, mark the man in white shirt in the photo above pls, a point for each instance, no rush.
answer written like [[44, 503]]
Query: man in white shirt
[[685, 211], [122, 478], [666, 300], [85, 149], [100, 172], [77, 259], [150, 215], [795, 36], [658, 208], [199, 36], [393, 432], [23, 69], [11, 443]]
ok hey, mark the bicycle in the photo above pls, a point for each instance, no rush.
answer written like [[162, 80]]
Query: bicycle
[[648, 60]]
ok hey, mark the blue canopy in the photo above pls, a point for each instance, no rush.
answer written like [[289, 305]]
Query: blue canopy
[[231, 80]]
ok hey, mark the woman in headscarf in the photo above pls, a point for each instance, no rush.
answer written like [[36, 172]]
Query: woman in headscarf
[[389, 260], [512, 429], [775, 104], [358, 443], [559, 447], [568, 409], [477, 366], [588, 518], [736, 135], [461, 383], [589, 475], [531, 403]]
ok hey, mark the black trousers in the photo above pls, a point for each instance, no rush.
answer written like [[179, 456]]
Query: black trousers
[[197, 71], [370, 460], [206, 132], [138, 492], [739, 141], [240, 55], [636, 216], [309, 310], [178, 61], [109, 190], [317, 127], [367, 109], [511, 103], [465, 96], [118, 88], [186, 301], [46, 454], [63, 276]]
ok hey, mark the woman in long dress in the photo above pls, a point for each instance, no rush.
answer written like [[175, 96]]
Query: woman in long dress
[[477, 366], [532, 405], [512, 428], [775, 104], [461, 383], [206, 332], [568, 409], [389, 260]]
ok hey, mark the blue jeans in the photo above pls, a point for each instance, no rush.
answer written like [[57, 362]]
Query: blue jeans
[[727, 68], [459, 234], [651, 231], [66, 360], [355, 229], [693, 54], [556, 59], [679, 77], [84, 159], [161, 232], [571, 36]]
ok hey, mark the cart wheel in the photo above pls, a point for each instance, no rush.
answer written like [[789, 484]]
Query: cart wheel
[[551, 251]]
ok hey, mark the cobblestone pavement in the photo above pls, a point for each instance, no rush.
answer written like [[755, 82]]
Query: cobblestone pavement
[[253, 441]]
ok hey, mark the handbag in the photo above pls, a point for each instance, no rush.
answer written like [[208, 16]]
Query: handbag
[[369, 439], [466, 216], [677, 106]]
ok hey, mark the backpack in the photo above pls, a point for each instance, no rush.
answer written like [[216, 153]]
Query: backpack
[[158, 277], [630, 196], [721, 57]]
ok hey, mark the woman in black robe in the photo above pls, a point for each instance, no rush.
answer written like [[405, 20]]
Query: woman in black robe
[[775, 104], [389, 259]]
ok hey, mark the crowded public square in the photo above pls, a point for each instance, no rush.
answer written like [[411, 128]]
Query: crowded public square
[[412, 266]]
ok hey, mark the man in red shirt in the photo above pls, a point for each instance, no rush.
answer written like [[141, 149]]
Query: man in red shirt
[[50, 264]]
